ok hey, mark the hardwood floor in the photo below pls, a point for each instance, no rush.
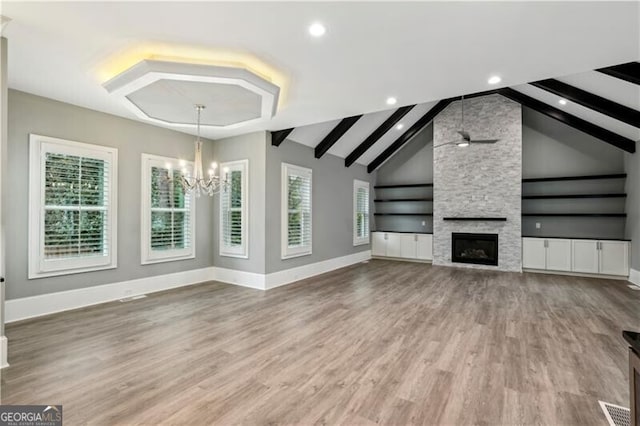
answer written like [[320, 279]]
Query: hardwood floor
[[384, 342]]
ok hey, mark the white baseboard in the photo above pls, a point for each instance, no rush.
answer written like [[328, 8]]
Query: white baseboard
[[634, 277], [35, 306], [241, 278], [280, 278], [575, 274], [3, 352]]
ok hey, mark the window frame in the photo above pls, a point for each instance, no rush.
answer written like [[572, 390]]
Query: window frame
[[38, 265], [147, 255], [358, 240], [242, 251], [286, 251]]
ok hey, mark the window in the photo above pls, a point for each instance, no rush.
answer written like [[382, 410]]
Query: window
[[296, 211], [360, 212], [168, 213], [72, 205], [233, 211]]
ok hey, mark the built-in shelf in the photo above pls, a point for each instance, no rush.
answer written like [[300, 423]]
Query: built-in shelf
[[476, 219], [552, 197], [566, 178], [398, 200], [403, 214], [404, 232], [409, 185], [576, 214]]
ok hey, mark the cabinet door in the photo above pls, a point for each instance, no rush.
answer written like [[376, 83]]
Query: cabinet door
[[533, 253], [558, 254], [408, 243], [378, 244], [424, 249], [584, 256], [393, 245], [614, 258]]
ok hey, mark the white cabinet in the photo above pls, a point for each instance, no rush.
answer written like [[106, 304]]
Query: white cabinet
[[614, 258], [582, 256], [378, 244], [534, 253], [424, 247], [402, 245], [585, 256], [558, 254], [546, 253], [408, 246], [393, 244]]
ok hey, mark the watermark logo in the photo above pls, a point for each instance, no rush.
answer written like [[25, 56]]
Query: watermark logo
[[30, 415]]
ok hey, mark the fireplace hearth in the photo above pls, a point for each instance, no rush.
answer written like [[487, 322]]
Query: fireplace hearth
[[480, 249]]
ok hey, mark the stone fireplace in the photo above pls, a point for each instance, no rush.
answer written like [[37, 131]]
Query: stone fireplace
[[477, 189]]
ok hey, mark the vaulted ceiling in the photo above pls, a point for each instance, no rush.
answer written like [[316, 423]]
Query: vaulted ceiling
[[418, 52], [613, 105]]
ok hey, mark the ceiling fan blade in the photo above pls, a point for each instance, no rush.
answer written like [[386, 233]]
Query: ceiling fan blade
[[487, 141], [465, 135]]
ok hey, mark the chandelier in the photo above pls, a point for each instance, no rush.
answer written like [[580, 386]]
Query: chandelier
[[195, 182]]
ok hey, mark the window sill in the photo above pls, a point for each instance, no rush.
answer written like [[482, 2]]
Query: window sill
[[292, 256], [46, 274], [167, 259]]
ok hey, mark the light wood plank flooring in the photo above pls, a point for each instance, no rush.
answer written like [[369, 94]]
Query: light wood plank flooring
[[384, 342]]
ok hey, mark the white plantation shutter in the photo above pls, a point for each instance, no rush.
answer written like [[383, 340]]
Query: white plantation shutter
[[233, 210], [296, 211], [167, 212], [360, 212], [72, 205]]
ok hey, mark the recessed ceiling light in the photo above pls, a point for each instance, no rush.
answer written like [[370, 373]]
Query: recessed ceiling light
[[317, 29], [562, 101], [399, 126], [391, 101], [494, 79]]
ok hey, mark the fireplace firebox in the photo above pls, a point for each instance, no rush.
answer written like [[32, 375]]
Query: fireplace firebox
[[480, 249]]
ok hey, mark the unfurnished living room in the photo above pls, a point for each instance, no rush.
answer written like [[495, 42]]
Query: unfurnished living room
[[342, 213]]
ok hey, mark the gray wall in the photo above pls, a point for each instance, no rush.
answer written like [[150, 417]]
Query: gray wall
[[412, 164], [550, 148], [332, 203], [479, 180], [632, 167], [33, 114], [253, 147]]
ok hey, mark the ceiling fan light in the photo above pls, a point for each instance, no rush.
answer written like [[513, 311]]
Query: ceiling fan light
[[462, 144]]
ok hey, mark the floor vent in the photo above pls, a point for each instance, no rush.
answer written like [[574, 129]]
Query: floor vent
[[129, 299], [615, 414]]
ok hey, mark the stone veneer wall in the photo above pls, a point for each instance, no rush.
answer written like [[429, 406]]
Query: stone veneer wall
[[479, 180]]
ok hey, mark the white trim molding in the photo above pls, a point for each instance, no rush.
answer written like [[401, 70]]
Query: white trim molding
[[36, 306], [3, 352], [634, 277], [45, 304], [288, 276]]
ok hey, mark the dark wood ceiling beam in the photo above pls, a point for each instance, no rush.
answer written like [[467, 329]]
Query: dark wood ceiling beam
[[409, 134], [377, 134], [629, 72], [335, 134], [279, 136], [570, 120], [591, 101]]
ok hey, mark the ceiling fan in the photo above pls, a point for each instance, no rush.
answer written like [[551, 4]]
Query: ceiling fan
[[465, 139]]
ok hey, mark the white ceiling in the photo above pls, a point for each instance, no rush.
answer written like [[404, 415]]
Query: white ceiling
[[417, 52], [611, 88]]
